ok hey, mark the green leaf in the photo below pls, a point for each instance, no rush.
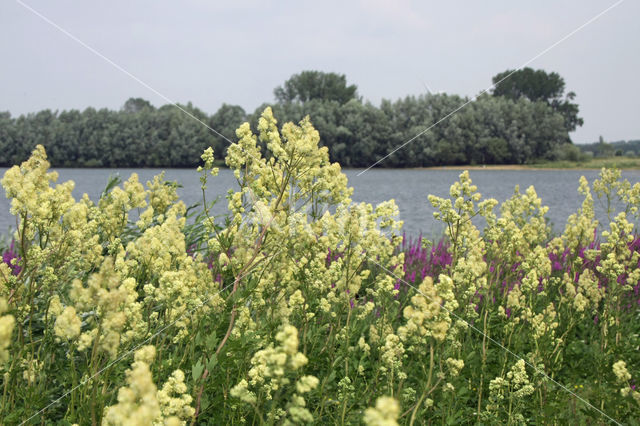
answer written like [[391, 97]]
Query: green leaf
[[204, 401], [213, 361], [212, 342], [196, 370]]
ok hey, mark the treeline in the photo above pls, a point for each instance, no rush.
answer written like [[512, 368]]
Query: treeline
[[488, 131], [611, 149], [494, 129], [145, 137]]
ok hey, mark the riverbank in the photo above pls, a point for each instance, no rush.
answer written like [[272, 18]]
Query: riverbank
[[623, 163]]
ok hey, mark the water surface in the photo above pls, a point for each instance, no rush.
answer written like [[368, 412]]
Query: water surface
[[409, 188]]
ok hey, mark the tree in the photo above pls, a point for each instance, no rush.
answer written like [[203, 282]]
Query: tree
[[309, 85], [539, 86], [133, 105], [604, 149], [225, 121]]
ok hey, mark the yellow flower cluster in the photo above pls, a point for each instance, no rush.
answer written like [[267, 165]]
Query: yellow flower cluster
[[519, 381], [516, 386], [520, 228], [140, 402], [615, 251], [623, 377], [174, 399], [423, 316], [297, 410], [621, 372], [6, 329], [57, 234], [270, 367], [385, 413], [31, 196], [586, 293], [544, 323], [67, 324], [613, 188], [174, 280], [117, 315], [468, 269], [295, 207], [580, 227], [162, 195], [137, 402], [112, 215], [454, 366], [391, 354]]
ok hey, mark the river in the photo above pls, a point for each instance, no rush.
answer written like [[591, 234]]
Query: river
[[409, 188]]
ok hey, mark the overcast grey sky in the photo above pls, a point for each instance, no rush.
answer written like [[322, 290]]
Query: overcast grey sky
[[237, 52]]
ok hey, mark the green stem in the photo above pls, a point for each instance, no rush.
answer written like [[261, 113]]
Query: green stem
[[426, 389]]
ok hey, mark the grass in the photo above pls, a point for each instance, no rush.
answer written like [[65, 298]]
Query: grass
[[594, 163]]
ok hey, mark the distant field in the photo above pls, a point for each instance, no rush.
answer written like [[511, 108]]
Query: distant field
[[594, 163]]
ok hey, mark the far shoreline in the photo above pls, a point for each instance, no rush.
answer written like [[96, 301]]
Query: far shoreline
[[501, 167], [622, 163]]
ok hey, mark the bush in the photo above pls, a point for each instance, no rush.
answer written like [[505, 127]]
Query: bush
[[567, 152]]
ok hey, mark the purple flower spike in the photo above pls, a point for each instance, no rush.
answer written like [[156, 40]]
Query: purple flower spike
[[8, 256]]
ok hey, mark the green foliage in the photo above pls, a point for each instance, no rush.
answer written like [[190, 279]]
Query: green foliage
[[568, 152], [539, 86], [310, 85], [136, 136], [490, 130], [608, 149], [133, 105], [535, 85]]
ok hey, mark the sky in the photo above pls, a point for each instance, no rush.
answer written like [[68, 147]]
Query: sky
[[237, 52]]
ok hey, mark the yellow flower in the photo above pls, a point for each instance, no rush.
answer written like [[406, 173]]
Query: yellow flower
[[306, 384], [392, 353], [620, 370], [68, 324], [175, 402], [454, 365], [6, 328], [137, 401], [242, 392], [385, 413]]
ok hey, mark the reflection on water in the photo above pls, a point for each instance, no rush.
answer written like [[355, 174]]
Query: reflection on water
[[409, 188]]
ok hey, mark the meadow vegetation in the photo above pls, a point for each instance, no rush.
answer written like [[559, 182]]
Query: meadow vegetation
[[303, 307], [620, 162]]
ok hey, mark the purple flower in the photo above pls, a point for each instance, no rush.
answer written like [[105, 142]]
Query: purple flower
[[8, 256]]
